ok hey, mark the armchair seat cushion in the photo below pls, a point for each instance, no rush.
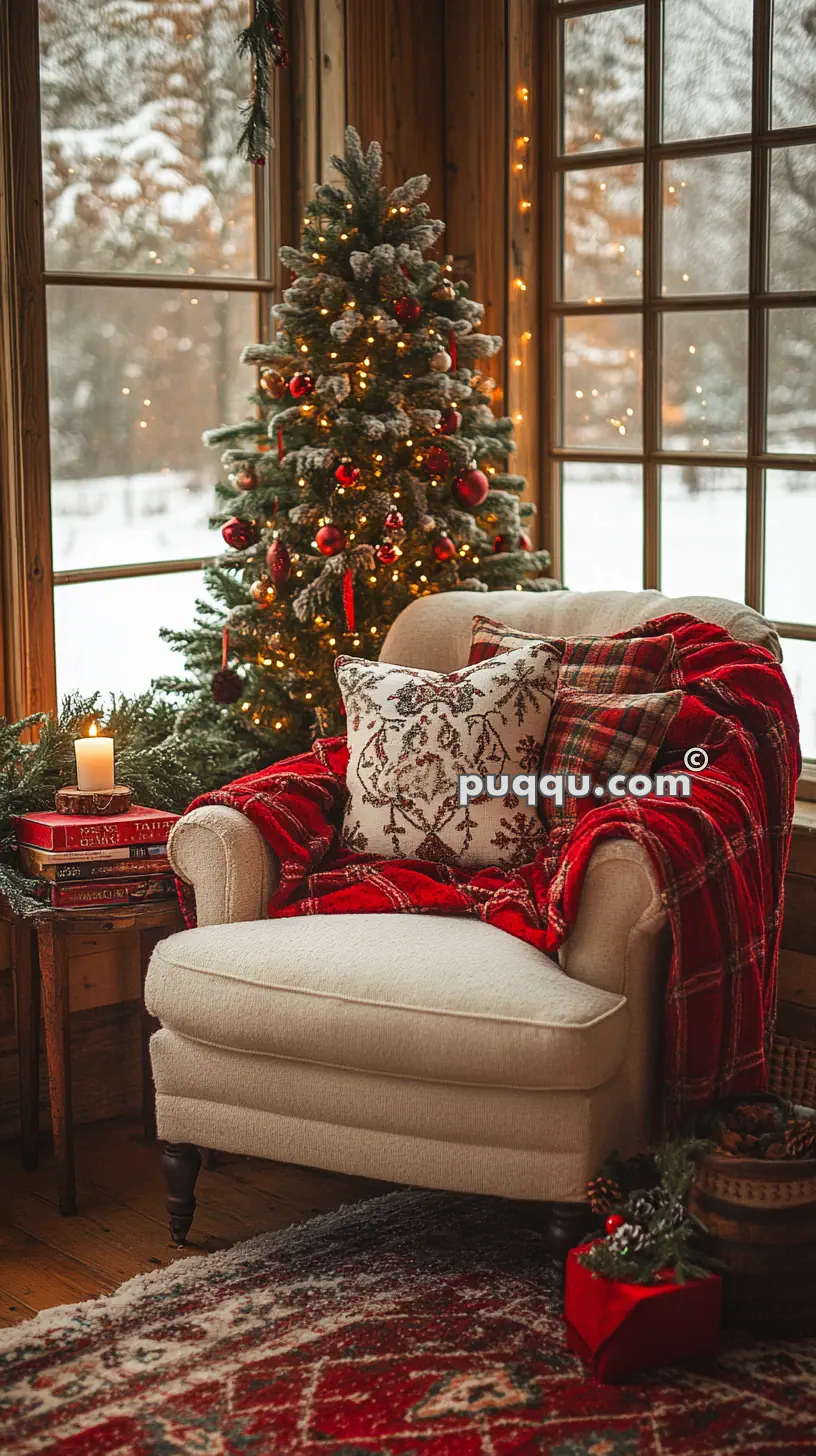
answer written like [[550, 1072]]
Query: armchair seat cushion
[[432, 998]]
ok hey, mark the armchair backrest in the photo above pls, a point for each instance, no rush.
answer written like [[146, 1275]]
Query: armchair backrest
[[434, 632]]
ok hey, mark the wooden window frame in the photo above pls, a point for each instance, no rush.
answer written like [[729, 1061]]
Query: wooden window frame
[[758, 302]]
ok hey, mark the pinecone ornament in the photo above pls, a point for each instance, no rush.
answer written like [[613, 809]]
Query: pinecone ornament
[[800, 1138], [642, 1206], [630, 1238], [603, 1194]]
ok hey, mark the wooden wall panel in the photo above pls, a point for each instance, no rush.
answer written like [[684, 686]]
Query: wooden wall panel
[[521, 159], [106, 1061], [104, 976], [476, 155], [395, 86], [332, 66]]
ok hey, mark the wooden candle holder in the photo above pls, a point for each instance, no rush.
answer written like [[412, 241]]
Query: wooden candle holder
[[93, 801]]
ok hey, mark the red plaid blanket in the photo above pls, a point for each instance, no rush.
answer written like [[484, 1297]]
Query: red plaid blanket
[[719, 859]]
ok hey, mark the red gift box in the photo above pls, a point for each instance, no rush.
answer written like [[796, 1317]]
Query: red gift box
[[619, 1329]]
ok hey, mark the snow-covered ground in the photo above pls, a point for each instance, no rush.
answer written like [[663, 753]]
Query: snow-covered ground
[[108, 632]]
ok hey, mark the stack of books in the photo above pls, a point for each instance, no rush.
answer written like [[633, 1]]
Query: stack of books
[[93, 860]]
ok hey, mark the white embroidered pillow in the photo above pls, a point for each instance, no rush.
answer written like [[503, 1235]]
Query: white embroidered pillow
[[411, 733]]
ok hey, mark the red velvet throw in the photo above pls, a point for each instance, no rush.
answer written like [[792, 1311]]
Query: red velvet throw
[[719, 859]]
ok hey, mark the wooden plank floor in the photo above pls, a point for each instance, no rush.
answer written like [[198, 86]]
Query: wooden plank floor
[[121, 1228]]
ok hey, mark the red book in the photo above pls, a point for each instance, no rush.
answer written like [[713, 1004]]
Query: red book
[[116, 892], [39, 863], [92, 831]]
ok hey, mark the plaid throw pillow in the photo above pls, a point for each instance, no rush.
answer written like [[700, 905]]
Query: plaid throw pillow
[[600, 734], [593, 664]]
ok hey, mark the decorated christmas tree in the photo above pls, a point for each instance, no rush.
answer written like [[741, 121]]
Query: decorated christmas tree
[[373, 472]]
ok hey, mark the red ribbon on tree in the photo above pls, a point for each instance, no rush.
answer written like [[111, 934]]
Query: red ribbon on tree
[[452, 349], [348, 598], [280, 442]]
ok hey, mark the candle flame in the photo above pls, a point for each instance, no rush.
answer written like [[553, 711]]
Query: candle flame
[[92, 731]]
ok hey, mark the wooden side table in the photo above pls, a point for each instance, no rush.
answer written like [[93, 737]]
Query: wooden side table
[[40, 965]]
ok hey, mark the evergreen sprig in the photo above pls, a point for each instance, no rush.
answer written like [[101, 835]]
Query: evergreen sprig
[[657, 1232], [262, 42], [163, 760]]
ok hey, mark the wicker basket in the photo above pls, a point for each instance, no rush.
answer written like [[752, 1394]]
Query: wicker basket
[[793, 1070]]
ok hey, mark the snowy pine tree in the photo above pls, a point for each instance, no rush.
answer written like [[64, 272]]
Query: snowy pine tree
[[373, 471]]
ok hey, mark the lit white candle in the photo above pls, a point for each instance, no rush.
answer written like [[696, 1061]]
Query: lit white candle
[[94, 761]]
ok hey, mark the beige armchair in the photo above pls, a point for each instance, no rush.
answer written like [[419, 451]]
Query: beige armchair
[[425, 1050]]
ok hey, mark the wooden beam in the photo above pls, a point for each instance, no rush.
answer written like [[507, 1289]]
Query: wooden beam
[[476, 156], [29, 676], [305, 133], [332, 71], [522, 160], [395, 86]]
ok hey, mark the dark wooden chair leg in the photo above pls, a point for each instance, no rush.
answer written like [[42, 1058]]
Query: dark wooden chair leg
[[148, 940], [26, 971], [53, 954], [567, 1225], [181, 1162]]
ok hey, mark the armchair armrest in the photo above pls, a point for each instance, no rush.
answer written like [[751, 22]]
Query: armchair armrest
[[227, 861], [620, 921], [620, 943]]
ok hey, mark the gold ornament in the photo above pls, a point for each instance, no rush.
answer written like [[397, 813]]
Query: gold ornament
[[444, 291], [262, 593]]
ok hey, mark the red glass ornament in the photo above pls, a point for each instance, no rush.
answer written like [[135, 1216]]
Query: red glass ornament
[[301, 386], [394, 521], [346, 473], [501, 543], [258, 161], [329, 540], [407, 309], [450, 421], [246, 479], [239, 534], [444, 549], [614, 1222], [524, 542], [437, 460], [279, 562], [226, 686], [387, 553], [470, 488]]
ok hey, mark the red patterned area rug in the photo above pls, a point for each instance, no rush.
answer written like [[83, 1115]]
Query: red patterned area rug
[[419, 1324]]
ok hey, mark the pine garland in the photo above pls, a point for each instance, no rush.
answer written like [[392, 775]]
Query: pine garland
[[650, 1228], [164, 756], [262, 42]]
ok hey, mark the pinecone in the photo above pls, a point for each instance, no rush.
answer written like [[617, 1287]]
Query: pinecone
[[800, 1138], [603, 1194], [644, 1204], [630, 1238]]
